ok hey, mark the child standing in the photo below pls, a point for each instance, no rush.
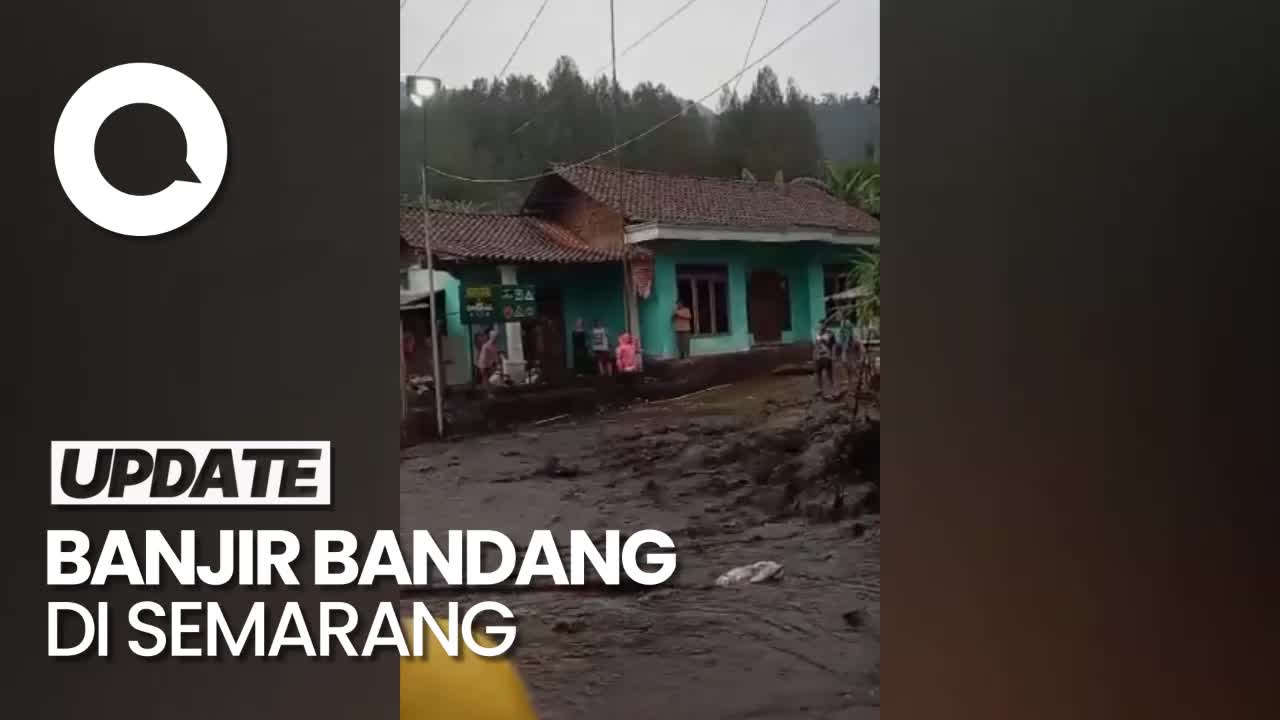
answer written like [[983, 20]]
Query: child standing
[[600, 346], [628, 362]]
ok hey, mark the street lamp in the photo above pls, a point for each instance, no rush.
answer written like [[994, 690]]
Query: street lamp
[[421, 88]]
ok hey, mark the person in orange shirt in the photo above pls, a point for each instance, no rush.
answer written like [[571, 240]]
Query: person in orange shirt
[[682, 321]]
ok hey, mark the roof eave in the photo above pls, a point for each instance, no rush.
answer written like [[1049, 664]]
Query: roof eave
[[649, 231]]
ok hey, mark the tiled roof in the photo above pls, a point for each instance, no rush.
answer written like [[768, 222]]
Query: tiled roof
[[507, 238], [684, 200]]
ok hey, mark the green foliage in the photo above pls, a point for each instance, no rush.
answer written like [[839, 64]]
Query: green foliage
[[865, 277], [442, 205], [858, 185], [515, 126]]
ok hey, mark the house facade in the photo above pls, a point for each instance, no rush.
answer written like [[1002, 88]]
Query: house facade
[[754, 261], [571, 281]]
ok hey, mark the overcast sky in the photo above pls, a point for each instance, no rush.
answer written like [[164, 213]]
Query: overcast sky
[[692, 55]]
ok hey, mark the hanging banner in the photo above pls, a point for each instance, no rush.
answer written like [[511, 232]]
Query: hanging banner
[[479, 304], [517, 302], [484, 304], [642, 275]]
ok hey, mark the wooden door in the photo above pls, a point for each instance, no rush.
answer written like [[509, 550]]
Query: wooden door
[[551, 350], [766, 303]]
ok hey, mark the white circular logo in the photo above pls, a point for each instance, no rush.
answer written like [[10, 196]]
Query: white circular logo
[[77, 166]]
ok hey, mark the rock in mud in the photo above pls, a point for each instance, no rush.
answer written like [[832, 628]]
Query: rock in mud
[[866, 500], [552, 467], [568, 626], [693, 457], [757, 572], [805, 368], [762, 467], [855, 619], [827, 505]]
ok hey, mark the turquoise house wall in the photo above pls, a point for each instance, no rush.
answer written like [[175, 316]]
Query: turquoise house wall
[[801, 263], [452, 304], [588, 291]]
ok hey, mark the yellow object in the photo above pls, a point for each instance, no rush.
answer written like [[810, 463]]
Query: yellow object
[[468, 687]]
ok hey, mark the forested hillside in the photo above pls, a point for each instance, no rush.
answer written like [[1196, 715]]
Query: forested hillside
[[516, 126]]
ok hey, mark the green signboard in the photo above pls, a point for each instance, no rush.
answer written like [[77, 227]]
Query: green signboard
[[484, 304]]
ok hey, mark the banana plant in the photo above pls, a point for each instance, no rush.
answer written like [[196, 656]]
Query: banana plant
[[865, 276], [859, 186]]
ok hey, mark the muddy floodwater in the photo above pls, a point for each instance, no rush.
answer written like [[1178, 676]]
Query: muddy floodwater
[[703, 470]]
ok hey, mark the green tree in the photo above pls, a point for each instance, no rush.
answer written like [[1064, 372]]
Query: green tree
[[514, 126], [865, 279], [858, 185]]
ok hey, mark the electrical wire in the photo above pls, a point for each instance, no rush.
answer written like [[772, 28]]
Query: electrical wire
[[656, 28], [440, 39], [751, 46], [524, 37], [613, 62], [651, 130]]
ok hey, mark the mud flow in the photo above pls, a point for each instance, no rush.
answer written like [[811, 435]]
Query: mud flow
[[759, 471]]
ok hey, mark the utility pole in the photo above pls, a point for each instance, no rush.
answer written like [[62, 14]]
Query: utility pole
[[627, 288]]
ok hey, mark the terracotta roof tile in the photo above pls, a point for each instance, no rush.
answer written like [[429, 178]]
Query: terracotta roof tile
[[685, 200], [508, 238]]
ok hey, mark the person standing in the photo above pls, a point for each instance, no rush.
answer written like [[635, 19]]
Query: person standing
[[824, 348], [628, 362], [489, 357], [600, 346], [682, 323], [581, 355]]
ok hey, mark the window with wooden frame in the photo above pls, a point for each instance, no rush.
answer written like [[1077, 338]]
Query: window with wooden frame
[[704, 289]]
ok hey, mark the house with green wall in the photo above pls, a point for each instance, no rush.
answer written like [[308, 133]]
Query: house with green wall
[[754, 261], [572, 281]]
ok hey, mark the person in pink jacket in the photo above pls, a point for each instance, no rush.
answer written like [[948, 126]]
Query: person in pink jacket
[[628, 360], [627, 355]]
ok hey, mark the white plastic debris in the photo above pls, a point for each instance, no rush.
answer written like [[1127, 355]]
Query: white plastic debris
[[753, 573]]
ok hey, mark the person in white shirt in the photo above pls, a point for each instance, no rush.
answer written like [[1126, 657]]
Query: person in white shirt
[[600, 346]]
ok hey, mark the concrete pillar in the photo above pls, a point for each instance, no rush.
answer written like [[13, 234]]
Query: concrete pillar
[[817, 300], [515, 364]]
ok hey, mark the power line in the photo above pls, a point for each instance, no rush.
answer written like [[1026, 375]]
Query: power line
[[657, 27], [751, 46], [614, 61], [449, 27], [651, 130], [524, 37]]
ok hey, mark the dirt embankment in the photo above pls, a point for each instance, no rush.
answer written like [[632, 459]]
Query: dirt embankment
[[763, 471], [796, 456]]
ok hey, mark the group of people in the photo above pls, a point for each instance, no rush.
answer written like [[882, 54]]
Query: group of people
[[594, 351], [836, 341]]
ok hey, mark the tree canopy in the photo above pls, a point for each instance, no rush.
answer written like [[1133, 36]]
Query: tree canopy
[[515, 126]]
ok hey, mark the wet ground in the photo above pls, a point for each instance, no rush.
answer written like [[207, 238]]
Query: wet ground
[[804, 646]]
